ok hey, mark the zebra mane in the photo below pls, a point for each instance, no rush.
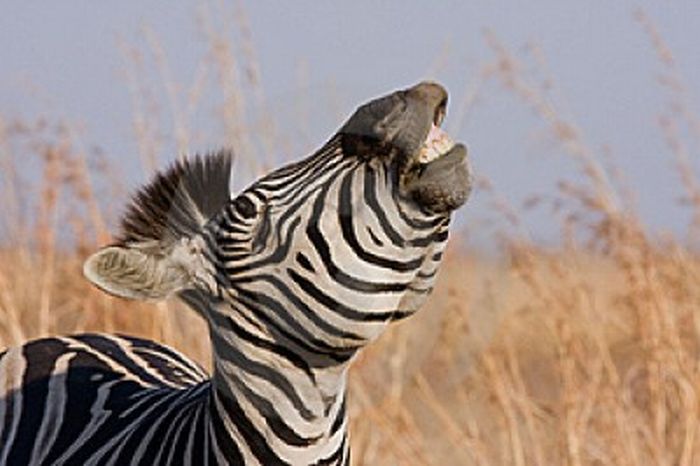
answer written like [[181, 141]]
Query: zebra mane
[[178, 201]]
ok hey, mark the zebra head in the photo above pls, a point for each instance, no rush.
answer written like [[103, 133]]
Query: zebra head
[[320, 254]]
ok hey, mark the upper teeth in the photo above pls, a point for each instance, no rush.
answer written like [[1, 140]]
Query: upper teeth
[[436, 144]]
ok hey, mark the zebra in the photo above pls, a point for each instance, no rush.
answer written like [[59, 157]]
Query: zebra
[[294, 276]]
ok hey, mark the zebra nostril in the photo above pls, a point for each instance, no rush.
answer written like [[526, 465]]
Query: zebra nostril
[[440, 112]]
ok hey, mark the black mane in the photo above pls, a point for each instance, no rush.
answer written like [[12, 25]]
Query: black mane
[[178, 201]]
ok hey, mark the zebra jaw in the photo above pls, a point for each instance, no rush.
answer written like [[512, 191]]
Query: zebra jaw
[[439, 178]]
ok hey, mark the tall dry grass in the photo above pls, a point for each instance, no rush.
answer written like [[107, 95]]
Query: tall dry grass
[[583, 353]]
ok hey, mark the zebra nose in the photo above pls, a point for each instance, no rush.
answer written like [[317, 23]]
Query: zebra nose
[[402, 119]]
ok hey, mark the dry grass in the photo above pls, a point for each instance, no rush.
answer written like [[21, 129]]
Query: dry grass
[[585, 353]]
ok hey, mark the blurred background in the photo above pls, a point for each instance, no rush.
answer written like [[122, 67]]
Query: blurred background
[[565, 329]]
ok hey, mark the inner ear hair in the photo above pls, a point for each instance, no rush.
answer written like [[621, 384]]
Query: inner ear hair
[[133, 274]]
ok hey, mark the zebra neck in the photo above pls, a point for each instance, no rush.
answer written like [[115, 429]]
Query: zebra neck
[[285, 411]]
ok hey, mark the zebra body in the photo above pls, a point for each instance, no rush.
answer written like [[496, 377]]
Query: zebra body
[[96, 411], [294, 275]]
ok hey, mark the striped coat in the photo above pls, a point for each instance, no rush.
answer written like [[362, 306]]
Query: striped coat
[[294, 276]]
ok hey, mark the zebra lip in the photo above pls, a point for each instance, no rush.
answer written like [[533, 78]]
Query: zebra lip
[[443, 183]]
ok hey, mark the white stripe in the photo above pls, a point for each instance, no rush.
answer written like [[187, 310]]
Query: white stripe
[[52, 418], [12, 369]]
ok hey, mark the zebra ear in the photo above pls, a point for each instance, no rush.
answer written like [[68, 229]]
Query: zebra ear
[[157, 253], [136, 274]]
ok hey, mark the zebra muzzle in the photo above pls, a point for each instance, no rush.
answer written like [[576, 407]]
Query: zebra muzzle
[[444, 181]]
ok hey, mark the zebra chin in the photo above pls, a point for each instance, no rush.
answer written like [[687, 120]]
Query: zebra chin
[[444, 184], [436, 175]]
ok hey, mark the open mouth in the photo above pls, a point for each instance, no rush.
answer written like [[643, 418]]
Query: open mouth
[[432, 169], [437, 143], [441, 180]]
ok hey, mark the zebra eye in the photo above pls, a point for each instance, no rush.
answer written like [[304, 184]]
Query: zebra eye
[[244, 207]]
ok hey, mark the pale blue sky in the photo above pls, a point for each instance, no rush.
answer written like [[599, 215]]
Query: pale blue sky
[[599, 56]]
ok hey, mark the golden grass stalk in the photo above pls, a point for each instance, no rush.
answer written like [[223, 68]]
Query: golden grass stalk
[[582, 353]]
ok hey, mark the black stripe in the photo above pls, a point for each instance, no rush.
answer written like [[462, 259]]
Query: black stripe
[[370, 194], [314, 234], [300, 304], [122, 396], [374, 237], [272, 417], [274, 257], [201, 433], [304, 262], [427, 275], [254, 439], [345, 218], [334, 306], [223, 438], [166, 415], [229, 353], [298, 169], [81, 394], [339, 418], [174, 440], [138, 343], [111, 350], [174, 453], [258, 302], [225, 322], [335, 457], [434, 237], [40, 357], [292, 191], [429, 221], [400, 315]]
